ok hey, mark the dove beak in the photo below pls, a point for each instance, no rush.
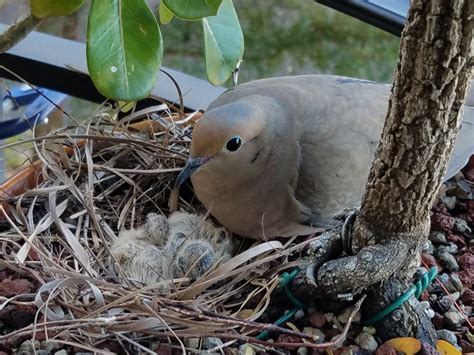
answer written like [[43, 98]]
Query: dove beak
[[192, 165]]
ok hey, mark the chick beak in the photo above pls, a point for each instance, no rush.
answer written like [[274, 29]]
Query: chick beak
[[192, 165]]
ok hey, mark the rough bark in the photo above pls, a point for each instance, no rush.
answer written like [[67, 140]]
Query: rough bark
[[430, 84], [16, 32]]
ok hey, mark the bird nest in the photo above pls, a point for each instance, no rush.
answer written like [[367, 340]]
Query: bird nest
[[91, 182]]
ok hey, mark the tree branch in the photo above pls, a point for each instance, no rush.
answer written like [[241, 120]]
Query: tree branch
[[16, 32]]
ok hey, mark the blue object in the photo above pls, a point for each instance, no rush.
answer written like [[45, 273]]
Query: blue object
[[414, 290], [21, 96], [39, 105], [285, 281]]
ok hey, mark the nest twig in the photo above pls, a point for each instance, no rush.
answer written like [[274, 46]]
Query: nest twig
[[95, 180]]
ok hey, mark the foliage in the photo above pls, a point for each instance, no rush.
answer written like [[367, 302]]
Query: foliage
[[124, 48], [164, 13], [193, 9], [124, 43], [291, 37], [47, 8], [223, 44]]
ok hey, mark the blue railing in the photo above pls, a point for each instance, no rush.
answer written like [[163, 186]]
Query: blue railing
[[23, 108]]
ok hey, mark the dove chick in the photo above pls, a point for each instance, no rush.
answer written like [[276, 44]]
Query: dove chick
[[164, 249]]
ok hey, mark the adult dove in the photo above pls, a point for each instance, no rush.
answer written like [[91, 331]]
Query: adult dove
[[279, 156]]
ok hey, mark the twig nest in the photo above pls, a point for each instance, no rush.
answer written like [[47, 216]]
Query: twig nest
[[183, 245]]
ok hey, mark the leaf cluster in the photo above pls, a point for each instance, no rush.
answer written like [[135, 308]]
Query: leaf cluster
[[125, 46]]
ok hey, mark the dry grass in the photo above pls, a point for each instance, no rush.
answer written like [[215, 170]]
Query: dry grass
[[97, 179]]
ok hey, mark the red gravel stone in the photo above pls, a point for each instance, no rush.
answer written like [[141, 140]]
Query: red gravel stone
[[427, 349], [469, 218], [10, 287], [317, 319], [468, 297], [3, 275], [442, 222], [466, 262], [466, 346], [385, 349], [330, 333], [470, 174], [440, 208], [425, 296], [456, 239], [288, 338], [470, 206], [438, 321], [467, 279], [428, 260], [33, 255]]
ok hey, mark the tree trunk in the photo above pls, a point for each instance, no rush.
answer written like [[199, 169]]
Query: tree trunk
[[430, 84]]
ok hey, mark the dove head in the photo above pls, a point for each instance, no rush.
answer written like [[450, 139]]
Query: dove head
[[227, 141]]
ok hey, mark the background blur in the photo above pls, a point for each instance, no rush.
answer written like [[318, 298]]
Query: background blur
[[281, 38], [284, 37]]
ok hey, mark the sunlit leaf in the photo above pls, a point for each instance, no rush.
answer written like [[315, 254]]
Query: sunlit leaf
[[445, 348], [46, 8], [223, 42], [124, 48], [193, 9], [164, 13], [126, 106], [407, 345]]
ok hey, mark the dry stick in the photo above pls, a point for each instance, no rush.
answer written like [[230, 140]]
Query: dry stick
[[134, 142], [47, 159], [275, 344], [22, 270], [135, 294], [19, 78], [141, 347], [459, 309], [62, 325], [82, 346], [89, 196], [23, 236], [202, 314], [167, 326], [116, 171], [189, 311], [210, 315]]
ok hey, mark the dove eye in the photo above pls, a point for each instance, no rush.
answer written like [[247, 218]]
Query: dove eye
[[233, 144]]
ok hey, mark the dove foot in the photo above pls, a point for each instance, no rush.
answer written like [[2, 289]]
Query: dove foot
[[387, 260]]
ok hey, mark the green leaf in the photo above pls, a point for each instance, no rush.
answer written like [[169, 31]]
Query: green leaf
[[165, 14], [46, 8], [126, 106], [223, 43], [193, 9], [124, 48]]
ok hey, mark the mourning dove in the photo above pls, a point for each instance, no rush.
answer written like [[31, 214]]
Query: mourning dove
[[275, 157]]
